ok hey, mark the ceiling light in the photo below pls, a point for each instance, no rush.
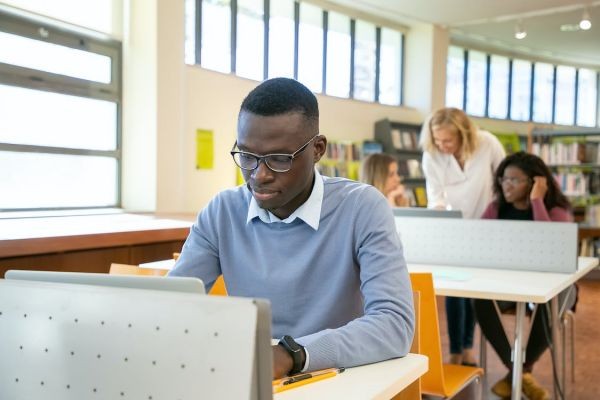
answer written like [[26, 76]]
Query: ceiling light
[[520, 32], [585, 22]]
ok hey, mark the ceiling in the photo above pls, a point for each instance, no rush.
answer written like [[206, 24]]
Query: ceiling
[[491, 24]]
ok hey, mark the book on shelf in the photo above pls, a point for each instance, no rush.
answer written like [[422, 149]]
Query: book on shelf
[[420, 196], [410, 168], [565, 152], [404, 139]]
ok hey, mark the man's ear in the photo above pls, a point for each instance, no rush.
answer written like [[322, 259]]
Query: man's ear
[[319, 148]]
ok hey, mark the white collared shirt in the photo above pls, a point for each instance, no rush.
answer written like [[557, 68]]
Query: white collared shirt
[[309, 211]]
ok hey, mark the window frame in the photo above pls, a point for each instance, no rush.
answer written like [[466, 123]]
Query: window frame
[[27, 78]]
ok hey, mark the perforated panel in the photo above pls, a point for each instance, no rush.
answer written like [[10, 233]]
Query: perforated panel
[[521, 245], [60, 341]]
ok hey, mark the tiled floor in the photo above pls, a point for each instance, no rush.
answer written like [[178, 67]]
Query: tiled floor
[[587, 349]]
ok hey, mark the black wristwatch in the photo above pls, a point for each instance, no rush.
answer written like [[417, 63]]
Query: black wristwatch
[[296, 351]]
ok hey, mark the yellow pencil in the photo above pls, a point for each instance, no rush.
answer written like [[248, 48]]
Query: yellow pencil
[[303, 382]]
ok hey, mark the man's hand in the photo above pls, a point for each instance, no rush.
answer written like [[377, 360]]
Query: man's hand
[[539, 189], [282, 362]]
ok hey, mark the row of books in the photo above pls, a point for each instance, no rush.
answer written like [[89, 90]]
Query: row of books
[[592, 215], [410, 169], [567, 153], [344, 169], [343, 151], [417, 196], [573, 183]]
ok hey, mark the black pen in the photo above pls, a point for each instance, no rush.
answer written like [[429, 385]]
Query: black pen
[[302, 377]]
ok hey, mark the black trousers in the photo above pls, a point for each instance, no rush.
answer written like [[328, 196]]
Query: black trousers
[[491, 327]]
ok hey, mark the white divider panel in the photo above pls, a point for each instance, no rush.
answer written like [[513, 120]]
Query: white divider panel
[[62, 341], [520, 245]]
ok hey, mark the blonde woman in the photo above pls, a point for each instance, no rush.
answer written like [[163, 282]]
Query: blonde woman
[[459, 161], [381, 171]]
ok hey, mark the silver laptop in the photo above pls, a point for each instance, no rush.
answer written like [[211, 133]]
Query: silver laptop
[[177, 284], [426, 212]]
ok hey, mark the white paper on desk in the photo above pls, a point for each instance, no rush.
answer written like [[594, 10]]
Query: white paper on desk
[[452, 276]]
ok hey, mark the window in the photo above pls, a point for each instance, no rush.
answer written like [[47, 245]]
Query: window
[[325, 50], [565, 96], [190, 32], [587, 98], [543, 87], [310, 47], [281, 39], [390, 67], [338, 55], [476, 83], [498, 95], [364, 61], [215, 52], [455, 87], [520, 90], [250, 39], [59, 117]]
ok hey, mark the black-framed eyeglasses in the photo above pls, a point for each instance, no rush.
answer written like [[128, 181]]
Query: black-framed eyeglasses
[[513, 181], [276, 162]]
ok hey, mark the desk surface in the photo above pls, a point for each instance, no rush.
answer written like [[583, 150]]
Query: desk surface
[[502, 284], [26, 236], [381, 380]]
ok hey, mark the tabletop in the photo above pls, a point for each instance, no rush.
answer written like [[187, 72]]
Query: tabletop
[[502, 284]]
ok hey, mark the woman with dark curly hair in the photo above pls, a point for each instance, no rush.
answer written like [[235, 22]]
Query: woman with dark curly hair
[[524, 189]]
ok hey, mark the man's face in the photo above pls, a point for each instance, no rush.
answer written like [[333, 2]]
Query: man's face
[[280, 192]]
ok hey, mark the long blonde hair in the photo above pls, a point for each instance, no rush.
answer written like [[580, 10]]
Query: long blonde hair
[[375, 168], [457, 121]]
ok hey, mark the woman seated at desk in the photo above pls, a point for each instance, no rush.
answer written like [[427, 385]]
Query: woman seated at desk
[[381, 171], [524, 190]]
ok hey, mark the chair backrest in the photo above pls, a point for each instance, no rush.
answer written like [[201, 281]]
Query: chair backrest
[[429, 333], [413, 391], [126, 269]]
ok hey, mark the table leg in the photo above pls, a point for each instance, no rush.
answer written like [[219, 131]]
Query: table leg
[[517, 355], [558, 363]]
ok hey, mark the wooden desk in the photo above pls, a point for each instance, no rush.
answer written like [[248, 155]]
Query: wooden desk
[[510, 285], [381, 380], [89, 243]]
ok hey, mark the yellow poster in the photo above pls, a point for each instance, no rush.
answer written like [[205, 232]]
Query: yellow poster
[[204, 149]]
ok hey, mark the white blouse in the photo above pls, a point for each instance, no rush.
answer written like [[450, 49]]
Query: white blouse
[[470, 189]]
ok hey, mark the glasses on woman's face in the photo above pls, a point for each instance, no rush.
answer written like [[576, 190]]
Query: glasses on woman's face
[[512, 180], [276, 162]]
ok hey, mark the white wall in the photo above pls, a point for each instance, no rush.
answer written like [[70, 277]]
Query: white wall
[[213, 101], [165, 101]]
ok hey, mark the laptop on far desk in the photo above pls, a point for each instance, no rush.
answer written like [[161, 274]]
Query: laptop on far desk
[[426, 212]]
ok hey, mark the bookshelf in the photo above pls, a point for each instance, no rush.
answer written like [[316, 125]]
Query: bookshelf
[[342, 158], [401, 140], [574, 158]]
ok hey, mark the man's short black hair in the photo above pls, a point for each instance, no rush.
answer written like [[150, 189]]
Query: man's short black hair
[[281, 96]]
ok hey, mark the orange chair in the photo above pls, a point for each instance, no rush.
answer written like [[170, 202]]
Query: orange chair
[[442, 380], [126, 269], [413, 391]]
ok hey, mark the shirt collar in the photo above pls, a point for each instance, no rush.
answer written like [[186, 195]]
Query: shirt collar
[[309, 211]]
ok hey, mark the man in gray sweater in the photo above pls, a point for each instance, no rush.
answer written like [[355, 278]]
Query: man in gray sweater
[[324, 251]]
